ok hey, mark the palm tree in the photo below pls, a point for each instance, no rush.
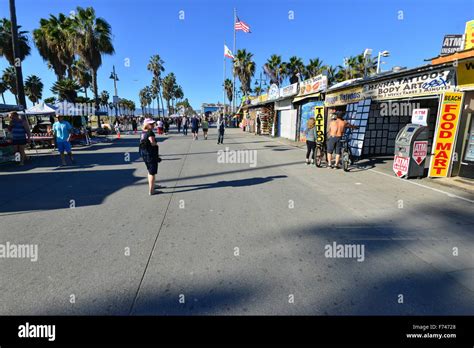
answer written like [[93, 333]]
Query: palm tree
[[82, 75], [9, 78], [3, 89], [91, 37], [53, 39], [50, 100], [145, 97], [229, 88], [294, 67], [6, 45], [314, 68], [278, 67], [34, 88], [104, 99], [177, 95], [66, 89], [154, 95], [156, 67], [244, 69], [169, 85]]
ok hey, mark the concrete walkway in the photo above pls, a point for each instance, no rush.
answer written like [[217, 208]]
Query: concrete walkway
[[230, 238]]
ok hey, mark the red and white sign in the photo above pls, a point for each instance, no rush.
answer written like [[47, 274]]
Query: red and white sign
[[420, 116], [400, 165], [420, 149]]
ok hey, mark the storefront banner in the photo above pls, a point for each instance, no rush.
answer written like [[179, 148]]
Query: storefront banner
[[307, 112], [274, 92], [469, 35], [319, 119], [346, 96], [420, 116], [446, 130], [452, 44], [423, 83], [289, 91], [313, 85], [420, 151], [400, 165], [466, 74]]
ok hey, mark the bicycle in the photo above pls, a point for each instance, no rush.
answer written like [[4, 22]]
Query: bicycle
[[346, 157]]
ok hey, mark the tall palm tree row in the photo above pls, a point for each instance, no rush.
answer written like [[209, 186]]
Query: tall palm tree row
[[34, 88], [169, 86], [9, 79]]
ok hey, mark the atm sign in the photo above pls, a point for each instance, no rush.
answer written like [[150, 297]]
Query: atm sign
[[445, 134], [420, 149], [400, 165]]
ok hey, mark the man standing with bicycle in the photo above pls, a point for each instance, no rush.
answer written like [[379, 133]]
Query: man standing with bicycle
[[335, 131]]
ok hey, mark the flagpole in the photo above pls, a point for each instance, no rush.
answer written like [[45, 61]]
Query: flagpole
[[234, 52], [223, 83]]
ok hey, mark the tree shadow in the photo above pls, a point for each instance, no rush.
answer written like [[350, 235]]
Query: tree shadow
[[226, 183]]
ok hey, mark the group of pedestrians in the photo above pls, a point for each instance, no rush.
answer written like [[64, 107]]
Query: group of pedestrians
[[336, 129], [149, 148]]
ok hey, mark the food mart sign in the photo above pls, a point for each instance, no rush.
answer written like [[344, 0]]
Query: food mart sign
[[419, 84], [446, 130]]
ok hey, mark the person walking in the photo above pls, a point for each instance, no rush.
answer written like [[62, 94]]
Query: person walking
[[160, 126], [220, 129], [311, 136], [195, 127], [166, 126], [62, 134], [205, 127], [134, 126], [185, 125], [149, 151], [335, 131], [178, 123], [20, 135]]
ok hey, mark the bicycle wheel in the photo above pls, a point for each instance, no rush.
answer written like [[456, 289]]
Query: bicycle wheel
[[318, 157], [346, 161]]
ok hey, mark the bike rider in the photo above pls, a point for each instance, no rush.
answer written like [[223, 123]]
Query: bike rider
[[335, 132]]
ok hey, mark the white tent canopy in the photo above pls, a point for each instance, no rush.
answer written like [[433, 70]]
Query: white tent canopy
[[40, 109]]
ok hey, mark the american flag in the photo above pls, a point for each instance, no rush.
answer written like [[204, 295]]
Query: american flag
[[239, 25]]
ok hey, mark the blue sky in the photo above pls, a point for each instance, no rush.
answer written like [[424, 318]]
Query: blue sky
[[193, 48]]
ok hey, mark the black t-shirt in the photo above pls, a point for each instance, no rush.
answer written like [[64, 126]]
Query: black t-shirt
[[150, 149]]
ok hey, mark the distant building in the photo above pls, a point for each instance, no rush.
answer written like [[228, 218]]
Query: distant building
[[214, 108]]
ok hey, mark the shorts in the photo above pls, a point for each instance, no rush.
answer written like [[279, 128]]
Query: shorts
[[152, 167], [19, 142], [64, 146], [204, 130], [194, 130], [334, 143]]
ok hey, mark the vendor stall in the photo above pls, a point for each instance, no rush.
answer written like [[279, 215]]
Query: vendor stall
[[41, 118]]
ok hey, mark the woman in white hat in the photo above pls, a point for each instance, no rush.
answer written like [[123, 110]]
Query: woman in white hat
[[149, 151]]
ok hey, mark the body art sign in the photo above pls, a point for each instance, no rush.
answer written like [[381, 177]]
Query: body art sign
[[423, 83]]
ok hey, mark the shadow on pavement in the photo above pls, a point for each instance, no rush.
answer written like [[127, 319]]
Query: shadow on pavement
[[229, 183]]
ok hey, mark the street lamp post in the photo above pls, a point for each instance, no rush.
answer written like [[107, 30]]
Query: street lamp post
[[381, 54], [114, 77]]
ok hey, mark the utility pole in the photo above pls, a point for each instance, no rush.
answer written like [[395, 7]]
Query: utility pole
[[16, 55], [114, 77]]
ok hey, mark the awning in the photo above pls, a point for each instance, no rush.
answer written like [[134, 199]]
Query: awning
[[312, 95]]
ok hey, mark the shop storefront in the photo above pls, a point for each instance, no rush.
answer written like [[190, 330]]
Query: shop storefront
[[381, 106], [285, 115], [310, 104]]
